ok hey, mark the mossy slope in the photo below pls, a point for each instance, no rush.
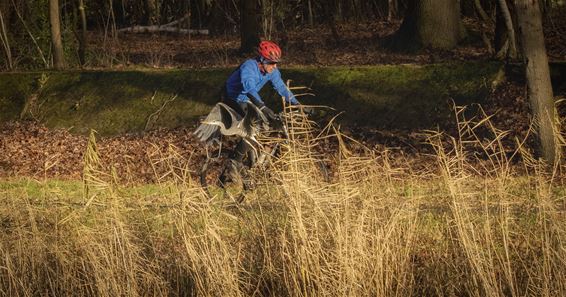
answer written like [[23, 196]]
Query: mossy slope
[[400, 96], [114, 102]]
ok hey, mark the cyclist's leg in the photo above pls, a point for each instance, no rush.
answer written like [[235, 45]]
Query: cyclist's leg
[[242, 148], [240, 108], [245, 153]]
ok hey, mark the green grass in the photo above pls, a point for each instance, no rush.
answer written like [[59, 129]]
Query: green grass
[[114, 102]]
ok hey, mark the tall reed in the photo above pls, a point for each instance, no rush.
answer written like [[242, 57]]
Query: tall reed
[[484, 221]]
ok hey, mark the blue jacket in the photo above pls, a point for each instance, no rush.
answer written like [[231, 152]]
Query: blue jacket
[[246, 82]]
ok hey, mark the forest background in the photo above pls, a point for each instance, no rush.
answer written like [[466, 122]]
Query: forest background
[[445, 159]]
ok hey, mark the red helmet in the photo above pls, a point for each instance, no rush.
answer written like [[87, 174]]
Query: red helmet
[[269, 51]]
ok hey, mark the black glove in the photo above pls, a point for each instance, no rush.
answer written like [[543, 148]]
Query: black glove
[[268, 113], [308, 110]]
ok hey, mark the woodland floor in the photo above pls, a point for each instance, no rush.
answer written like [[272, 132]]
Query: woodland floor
[[30, 149]]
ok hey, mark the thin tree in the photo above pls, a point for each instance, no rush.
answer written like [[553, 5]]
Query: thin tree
[[33, 39], [58, 57], [486, 20], [6, 11], [4, 29], [310, 12], [5, 41], [505, 41], [538, 76], [429, 23], [332, 12], [151, 12], [82, 34], [391, 10], [479, 9]]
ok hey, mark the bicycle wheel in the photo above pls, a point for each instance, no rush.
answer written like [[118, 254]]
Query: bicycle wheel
[[226, 179]]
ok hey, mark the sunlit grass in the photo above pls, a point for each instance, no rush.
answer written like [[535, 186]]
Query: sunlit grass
[[468, 227]]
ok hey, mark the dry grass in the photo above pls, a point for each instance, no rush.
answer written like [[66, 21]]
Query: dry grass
[[474, 228]]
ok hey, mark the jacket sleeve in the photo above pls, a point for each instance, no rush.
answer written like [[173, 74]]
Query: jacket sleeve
[[249, 82], [281, 88]]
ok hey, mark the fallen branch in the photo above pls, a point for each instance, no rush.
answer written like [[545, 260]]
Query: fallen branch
[[169, 27], [155, 29], [173, 23]]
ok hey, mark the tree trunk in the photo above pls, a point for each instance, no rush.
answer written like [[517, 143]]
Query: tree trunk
[[151, 12], [311, 15], [4, 35], [219, 21], [511, 40], [6, 10], [249, 26], [82, 34], [482, 12], [538, 77], [187, 10], [58, 56], [500, 40], [330, 11], [338, 16], [429, 23], [391, 10], [468, 9]]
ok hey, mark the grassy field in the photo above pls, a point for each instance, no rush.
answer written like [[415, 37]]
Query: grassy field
[[471, 224]]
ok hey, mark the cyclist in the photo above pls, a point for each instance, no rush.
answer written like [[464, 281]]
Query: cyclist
[[247, 80]]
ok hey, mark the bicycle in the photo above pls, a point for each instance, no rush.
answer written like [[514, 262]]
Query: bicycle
[[220, 175]]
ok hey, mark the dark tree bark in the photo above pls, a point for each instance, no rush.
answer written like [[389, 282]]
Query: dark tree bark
[[249, 26], [429, 23], [538, 76], [58, 56]]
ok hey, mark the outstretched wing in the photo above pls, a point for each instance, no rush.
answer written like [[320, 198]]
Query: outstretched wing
[[253, 119], [220, 120]]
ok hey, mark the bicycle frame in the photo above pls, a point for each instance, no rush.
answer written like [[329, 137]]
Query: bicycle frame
[[259, 157]]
